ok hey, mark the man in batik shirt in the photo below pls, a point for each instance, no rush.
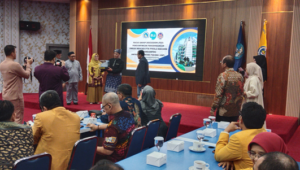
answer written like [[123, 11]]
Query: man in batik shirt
[[132, 105], [229, 92], [117, 132]]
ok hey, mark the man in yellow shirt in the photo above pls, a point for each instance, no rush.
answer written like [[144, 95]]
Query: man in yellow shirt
[[55, 130], [235, 148]]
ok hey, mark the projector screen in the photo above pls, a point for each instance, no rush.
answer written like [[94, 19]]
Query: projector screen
[[174, 49]]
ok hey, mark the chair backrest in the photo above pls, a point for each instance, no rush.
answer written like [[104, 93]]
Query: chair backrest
[[83, 153], [136, 141], [35, 162], [152, 130], [173, 126]]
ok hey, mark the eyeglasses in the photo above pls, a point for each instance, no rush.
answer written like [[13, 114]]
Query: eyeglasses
[[104, 106], [253, 155]]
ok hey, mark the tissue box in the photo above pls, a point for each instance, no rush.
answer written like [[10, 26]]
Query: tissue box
[[175, 145], [89, 120], [156, 159], [83, 114], [223, 125], [210, 132]]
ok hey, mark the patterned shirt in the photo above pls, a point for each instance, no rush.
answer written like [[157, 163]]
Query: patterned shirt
[[133, 106], [16, 142], [117, 134], [229, 93]]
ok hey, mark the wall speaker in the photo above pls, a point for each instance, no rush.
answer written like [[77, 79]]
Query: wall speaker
[[29, 25]]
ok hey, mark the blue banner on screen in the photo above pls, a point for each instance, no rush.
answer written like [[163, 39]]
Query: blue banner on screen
[[166, 49]]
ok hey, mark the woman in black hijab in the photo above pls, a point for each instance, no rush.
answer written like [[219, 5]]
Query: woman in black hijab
[[262, 62]]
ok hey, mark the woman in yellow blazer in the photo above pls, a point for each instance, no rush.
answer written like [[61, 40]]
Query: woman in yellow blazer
[[55, 130]]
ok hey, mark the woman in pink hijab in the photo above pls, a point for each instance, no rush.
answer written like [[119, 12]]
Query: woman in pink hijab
[[263, 143]]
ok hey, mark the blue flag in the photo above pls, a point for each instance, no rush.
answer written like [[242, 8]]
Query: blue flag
[[239, 52]]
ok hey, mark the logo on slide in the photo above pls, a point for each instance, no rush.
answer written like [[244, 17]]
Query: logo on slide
[[160, 35], [146, 35], [153, 35]]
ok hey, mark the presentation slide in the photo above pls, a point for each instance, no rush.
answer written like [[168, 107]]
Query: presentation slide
[[174, 49], [166, 49]]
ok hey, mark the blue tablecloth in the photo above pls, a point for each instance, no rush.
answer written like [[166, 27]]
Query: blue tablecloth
[[98, 133], [176, 160]]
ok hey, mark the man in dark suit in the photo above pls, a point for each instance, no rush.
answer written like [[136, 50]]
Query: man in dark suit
[[142, 77], [49, 76]]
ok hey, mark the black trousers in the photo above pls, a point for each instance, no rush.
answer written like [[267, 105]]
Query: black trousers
[[226, 119]]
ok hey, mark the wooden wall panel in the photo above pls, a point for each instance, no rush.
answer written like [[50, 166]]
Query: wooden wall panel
[[279, 38], [82, 42]]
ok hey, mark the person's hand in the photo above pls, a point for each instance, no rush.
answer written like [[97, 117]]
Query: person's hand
[[29, 61], [226, 165], [212, 113], [241, 69], [139, 85], [232, 127], [92, 126], [109, 69]]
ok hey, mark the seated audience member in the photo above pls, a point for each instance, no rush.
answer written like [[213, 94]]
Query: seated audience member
[[106, 165], [16, 140], [132, 105], [55, 130], [117, 133], [276, 161], [152, 108], [235, 148], [263, 143]]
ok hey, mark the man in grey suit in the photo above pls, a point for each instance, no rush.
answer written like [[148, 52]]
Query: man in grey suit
[[142, 77]]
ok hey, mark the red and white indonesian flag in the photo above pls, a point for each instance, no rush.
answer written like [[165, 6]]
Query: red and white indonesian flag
[[89, 55]]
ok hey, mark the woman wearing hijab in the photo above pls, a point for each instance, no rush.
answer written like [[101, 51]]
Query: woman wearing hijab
[[263, 143], [152, 108], [94, 92], [114, 76], [254, 84]]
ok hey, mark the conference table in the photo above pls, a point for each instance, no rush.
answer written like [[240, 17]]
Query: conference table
[[85, 131], [177, 160]]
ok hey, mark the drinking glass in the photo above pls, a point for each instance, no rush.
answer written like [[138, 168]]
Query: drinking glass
[[158, 142], [206, 122], [213, 120], [200, 135]]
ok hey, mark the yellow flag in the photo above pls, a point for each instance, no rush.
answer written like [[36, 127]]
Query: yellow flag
[[262, 47]]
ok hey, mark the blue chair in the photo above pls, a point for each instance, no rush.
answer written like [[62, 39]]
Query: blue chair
[[173, 126], [152, 130], [136, 141], [83, 153], [35, 162]]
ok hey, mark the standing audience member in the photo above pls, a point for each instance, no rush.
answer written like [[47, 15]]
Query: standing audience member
[[106, 165], [254, 85], [152, 108], [235, 148], [16, 140], [276, 161], [229, 92], [263, 143], [50, 77], [117, 133], [114, 76], [132, 105], [75, 73], [94, 92], [12, 73], [142, 77], [55, 130]]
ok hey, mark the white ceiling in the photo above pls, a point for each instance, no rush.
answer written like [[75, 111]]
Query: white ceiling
[[60, 1]]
